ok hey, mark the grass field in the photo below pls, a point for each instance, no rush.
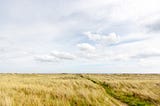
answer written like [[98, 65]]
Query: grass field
[[79, 90]]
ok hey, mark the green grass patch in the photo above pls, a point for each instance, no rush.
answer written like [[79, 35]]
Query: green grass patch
[[127, 98]]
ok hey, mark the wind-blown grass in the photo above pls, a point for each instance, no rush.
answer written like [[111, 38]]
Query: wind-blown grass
[[134, 90], [50, 90], [79, 90]]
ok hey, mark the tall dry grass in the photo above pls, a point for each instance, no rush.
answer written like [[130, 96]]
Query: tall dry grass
[[133, 89], [79, 90], [50, 90]]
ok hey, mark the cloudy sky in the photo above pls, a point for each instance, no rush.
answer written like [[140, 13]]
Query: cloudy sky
[[74, 36]]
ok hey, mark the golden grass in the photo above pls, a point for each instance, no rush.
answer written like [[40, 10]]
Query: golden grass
[[50, 90], [144, 88], [77, 90]]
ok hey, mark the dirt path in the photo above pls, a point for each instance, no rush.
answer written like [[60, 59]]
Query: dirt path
[[114, 100]]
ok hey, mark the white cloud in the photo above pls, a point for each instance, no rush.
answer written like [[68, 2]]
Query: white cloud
[[86, 47], [55, 56], [109, 39]]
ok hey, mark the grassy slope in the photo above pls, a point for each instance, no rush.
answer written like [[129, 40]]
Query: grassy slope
[[79, 90]]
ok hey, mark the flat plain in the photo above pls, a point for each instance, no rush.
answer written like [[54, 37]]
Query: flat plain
[[79, 89]]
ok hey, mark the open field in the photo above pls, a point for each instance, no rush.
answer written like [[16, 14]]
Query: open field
[[79, 90]]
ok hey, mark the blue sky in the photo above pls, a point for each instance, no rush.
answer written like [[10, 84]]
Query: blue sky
[[80, 36]]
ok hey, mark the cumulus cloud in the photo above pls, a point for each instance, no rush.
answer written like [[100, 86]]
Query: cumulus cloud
[[110, 38], [128, 48], [55, 56], [86, 47]]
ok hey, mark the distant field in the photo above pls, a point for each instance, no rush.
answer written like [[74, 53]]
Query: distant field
[[79, 90]]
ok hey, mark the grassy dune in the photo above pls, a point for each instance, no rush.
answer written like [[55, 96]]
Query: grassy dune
[[79, 90]]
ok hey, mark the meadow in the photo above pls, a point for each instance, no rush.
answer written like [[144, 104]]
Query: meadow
[[79, 89]]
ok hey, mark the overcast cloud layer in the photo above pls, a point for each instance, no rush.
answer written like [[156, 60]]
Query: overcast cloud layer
[[91, 36]]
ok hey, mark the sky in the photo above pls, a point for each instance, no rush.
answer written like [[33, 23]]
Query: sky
[[79, 36]]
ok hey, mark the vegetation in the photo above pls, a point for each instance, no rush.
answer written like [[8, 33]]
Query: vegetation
[[79, 90]]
